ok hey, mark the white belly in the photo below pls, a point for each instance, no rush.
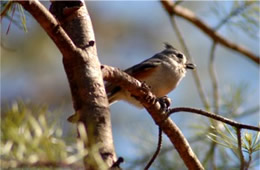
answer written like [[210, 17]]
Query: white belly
[[161, 82]]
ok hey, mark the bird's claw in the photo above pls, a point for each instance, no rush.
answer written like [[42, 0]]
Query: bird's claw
[[165, 103], [150, 99]]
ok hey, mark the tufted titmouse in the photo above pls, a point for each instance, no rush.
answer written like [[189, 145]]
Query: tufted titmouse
[[162, 73]]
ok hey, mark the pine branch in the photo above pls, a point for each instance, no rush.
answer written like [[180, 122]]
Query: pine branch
[[213, 116], [188, 15]]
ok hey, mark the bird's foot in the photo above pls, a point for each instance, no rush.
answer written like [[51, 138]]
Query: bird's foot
[[165, 103]]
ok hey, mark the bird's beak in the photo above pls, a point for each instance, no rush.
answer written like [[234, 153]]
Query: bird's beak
[[190, 66]]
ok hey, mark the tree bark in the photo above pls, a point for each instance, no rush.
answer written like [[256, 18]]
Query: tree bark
[[85, 77], [74, 36]]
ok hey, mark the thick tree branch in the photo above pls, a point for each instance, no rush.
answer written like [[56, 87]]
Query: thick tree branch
[[74, 37], [143, 93], [185, 13], [213, 116]]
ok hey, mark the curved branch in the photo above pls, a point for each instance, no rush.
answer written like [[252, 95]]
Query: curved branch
[[143, 93], [156, 153], [213, 116], [74, 36], [185, 13]]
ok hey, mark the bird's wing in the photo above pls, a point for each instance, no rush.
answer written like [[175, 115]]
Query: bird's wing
[[111, 90], [139, 71], [144, 69]]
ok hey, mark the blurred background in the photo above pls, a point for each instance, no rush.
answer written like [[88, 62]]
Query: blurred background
[[126, 34]]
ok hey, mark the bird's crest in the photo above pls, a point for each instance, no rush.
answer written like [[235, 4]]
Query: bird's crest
[[169, 46]]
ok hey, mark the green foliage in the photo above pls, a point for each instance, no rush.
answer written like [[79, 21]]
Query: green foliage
[[27, 138], [234, 98], [242, 14], [232, 102], [227, 137], [251, 142]]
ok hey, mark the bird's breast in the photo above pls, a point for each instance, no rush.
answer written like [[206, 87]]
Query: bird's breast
[[164, 80]]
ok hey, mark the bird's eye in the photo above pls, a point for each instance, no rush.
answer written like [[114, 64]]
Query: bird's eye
[[180, 56]]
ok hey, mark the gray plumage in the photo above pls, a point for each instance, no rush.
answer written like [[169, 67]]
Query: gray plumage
[[162, 73]]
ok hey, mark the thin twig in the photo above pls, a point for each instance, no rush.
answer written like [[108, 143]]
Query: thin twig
[[11, 20], [233, 13], [194, 73], [212, 71], [214, 81], [239, 142], [213, 116], [137, 162], [156, 153], [213, 77], [249, 161], [213, 74], [210, 155], [6, 8], [192, 18]]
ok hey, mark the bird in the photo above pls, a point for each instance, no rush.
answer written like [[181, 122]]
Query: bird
[[162, 73]]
